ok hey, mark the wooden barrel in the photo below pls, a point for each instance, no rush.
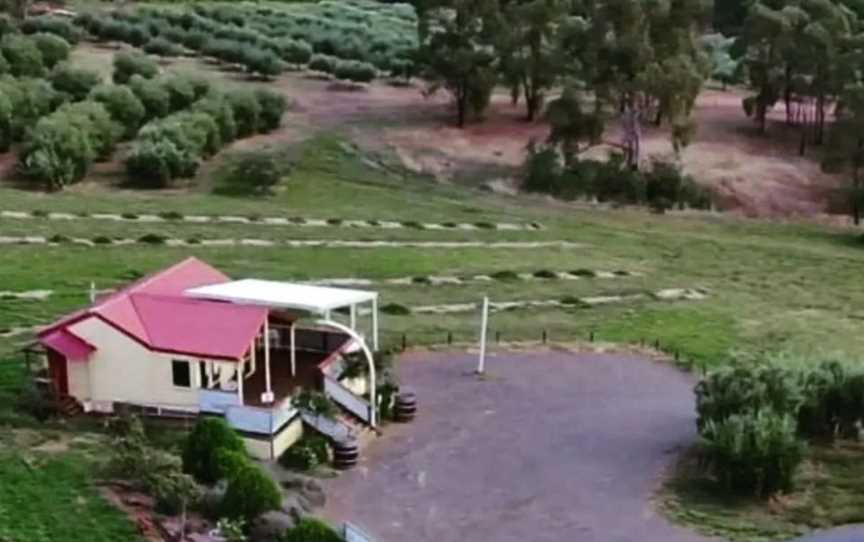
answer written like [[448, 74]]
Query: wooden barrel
[[405, 407], [345, 454]]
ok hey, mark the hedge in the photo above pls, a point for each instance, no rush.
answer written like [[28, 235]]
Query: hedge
[[128, 64], [72, 81], [122, 104]]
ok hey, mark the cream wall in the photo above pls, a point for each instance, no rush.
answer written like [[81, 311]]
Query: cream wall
[[123, 370], [270, 450]]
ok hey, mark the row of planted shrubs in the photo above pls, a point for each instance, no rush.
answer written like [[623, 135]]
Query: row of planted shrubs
[[662, 186], [755, 420]]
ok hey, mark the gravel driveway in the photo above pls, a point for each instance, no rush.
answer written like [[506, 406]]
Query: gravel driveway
[[548, 447]]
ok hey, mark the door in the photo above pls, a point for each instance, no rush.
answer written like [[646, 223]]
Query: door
[[58, 372]]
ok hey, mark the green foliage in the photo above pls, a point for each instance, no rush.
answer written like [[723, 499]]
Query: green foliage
[[123, 106], [217, 106], [354, 70], [47, 24], [94, 121], [128, 64], [315, 403], [162, 47], [306, 454], [31, 100], [754, 452], [153, 95], [311, 530], [323, 63], [250, 493], [154, 164], [273, 105], [253, 172], [834, 404], [232, 530], [75, 82], [228, 463], [294, 51], [247, 111], [54, 49], [200, 452], [6, 130], [23, 55]]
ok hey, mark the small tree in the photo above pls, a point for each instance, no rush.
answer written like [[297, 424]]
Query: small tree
[[24, 57], [128, 64], [200, 453], [123, 106], [54, 49], [253, 173], [75, 82]]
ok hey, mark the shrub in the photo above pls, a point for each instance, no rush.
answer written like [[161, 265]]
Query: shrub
[[834, 400], [216, 105], [58, 152], [6, 132], [306, 454], [253, 172], [23, 56], [323, 63], [152, 239], [505, 275], [353, 70], [95, 121], [75, 82], [294, 51], [395, 309], [181, 91], [174, 492], [263, 62], [162, 47], [53, 48], [250, 493], [200, 450], [247, 111], [747, 388], [273, 106], [311, 530], [153, 164], [229, 462], [123, 106], [128, 64], [31, 99], [153, 95], [753, 452], [47, 24]]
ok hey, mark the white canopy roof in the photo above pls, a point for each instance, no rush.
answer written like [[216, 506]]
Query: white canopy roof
[[269, 293]]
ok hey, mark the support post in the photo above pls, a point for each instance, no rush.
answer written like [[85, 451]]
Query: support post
[[484, 322], [268, 392], [240, 380], [293, 351], [375, 324], [354, 317], [373, 393]]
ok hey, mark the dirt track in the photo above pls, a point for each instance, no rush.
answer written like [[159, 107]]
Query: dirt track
[[549, 447]]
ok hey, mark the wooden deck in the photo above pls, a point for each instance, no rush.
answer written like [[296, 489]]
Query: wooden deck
[[282, 383]]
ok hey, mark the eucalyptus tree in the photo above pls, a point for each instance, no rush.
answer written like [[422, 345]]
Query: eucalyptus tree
[[846, 151], [631, 58], [457, 52]]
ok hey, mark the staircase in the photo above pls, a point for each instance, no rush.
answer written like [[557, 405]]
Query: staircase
[[69, 406]]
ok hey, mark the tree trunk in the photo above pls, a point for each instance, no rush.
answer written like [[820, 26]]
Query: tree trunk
[[820, 119], [632, 136], [461, 105], [787, 94]]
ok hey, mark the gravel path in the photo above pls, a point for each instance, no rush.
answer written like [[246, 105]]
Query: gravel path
[[852, 533], [549, 447]]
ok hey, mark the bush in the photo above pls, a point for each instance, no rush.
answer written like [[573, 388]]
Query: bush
[[54, 49], [253, 172], [263, 62], [247, 111], [747, 388], [181, 91], [47, 24], [57, 153], [23, 56], [250, 493], [294, 51], [273, 105], [128, 64], [123, 106], [200, 458], [95, 121], [229, 463], [153, 95], [323, 63], [154, 164], [754, 452], [311, 530], [75, 82], [834, 401], [216, 105], [306, 454], [31, 99], [162, 47], [353, 70]]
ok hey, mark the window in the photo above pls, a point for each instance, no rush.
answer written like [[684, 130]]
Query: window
[[181, 373]]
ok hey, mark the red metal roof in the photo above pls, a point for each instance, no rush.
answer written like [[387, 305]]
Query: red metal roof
[[154, 312], [74, 348]]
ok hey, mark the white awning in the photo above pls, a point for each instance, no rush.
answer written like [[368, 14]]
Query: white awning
[[287, 295]]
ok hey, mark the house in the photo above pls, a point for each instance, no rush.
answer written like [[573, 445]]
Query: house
[[188, 340]]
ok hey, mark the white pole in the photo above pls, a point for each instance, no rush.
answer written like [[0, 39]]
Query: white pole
[[268, 392], [293, 352], [240, 381], [484, 321], [92, 292], [375, 323], [373, 394], [354, 317]]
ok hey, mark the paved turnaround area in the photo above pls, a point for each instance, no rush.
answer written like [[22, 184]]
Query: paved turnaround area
[[548, 447]]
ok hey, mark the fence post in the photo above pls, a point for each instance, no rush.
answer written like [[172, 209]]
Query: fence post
[[544, 336], [591, 337], [404, 342], [497, 337], [449, 337], [656, 344]]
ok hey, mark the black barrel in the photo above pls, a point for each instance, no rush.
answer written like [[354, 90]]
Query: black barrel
[[405, 407], [345, 454]]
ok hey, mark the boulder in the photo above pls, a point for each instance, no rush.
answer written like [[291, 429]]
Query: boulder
[[270, 526]]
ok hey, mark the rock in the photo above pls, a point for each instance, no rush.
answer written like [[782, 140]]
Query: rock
[[270, 526], [211, 499], [306, 488]]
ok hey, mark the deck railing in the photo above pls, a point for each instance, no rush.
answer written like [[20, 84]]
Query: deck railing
[[265, 421], [346, 398], [217, 401]]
